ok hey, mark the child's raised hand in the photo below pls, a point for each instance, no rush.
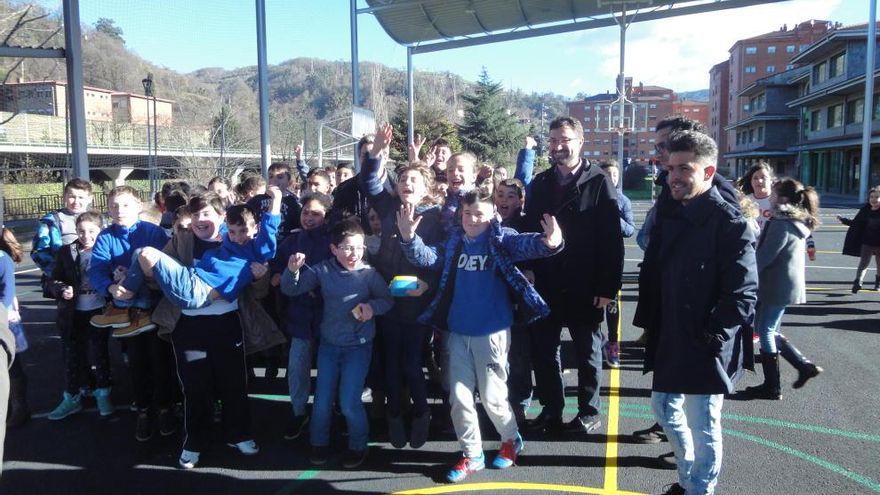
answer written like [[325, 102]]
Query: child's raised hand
[[259, 270], [67, 293], [552, 232], [295, 262], [382, 140], [362, 312], [407, 222]]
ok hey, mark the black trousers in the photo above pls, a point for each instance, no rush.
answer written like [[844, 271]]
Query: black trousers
[[152, 371], [209, 351], [82, 344]]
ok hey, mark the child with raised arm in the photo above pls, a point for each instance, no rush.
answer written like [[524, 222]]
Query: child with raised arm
[[474, 302], [222, 273], [353, 294]]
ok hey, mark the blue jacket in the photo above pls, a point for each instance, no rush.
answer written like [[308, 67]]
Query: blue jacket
[[506, 247], [114, 247], [303, 312], [227, 268], [700, 296], [49, 238], [391, 260], [627, 223]]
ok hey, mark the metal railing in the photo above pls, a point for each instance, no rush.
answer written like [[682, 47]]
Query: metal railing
[[36, 207]]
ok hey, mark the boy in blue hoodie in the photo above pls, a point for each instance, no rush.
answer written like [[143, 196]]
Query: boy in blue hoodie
[[222, 273], [478, 265]]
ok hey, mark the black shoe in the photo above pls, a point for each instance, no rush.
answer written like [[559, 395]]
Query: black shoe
[[763, 392], [806, 372], [667, 461], [674, 489], [167, 422], [143, 430], [584, 424], [418, 434], [271, 371], [545, 423], [396, 432], [296, 427], [856, 287], [319, 456], [653, 434], [354, 458]]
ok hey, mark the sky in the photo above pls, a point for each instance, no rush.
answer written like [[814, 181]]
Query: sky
[[676, 53]]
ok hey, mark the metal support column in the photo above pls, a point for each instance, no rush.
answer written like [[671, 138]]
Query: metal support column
[[355, 69], [621, 93], [868, 120], [263, 76], [75, 98], [410, 98]]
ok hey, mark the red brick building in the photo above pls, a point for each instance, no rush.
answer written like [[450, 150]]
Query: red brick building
[[752, 59], [650, 104]]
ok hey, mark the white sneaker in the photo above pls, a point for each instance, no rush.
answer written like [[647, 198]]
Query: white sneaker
[[247, 447], [188, 459]]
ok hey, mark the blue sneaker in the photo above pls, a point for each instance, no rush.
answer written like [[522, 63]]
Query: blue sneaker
[[70, 404], [507, 453], [102, 398], [465, 467]]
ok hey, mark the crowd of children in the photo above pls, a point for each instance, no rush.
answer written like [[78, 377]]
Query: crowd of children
[[369, 276]]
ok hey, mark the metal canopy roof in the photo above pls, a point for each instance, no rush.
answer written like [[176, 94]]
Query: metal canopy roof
[[433, 25]]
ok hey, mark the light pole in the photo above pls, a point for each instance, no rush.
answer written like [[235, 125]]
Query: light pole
[[148, 92]]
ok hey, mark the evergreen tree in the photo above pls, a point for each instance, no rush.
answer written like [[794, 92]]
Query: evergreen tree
[[489, 130]]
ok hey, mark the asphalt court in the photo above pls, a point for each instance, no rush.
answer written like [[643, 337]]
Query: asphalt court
[[821, 439]]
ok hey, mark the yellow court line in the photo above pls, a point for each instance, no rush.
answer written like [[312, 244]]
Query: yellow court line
[[613, 414], [480, 487]]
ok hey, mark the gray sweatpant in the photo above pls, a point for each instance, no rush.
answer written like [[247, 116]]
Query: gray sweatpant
[[479, 363]]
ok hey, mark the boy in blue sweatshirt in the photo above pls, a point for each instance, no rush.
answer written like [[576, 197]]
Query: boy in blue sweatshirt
[[353, 294], [478, 265], [222, 273]]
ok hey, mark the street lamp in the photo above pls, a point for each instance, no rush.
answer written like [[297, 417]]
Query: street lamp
[[151, 165]]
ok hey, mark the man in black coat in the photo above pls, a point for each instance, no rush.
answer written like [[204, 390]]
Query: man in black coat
[[699, 291], [580, 281]]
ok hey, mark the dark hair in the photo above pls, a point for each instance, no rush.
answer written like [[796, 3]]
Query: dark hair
[[345, 165], [249, 184], [318, 172], [180, 212], [116, 191], [680, 123], [516, 185], [208, 199], [804, 198], [90, 216], [279, 167], [241, 215], [175, 200], [478, 195], [367, 139], [344, 229], [702, 146], [574, 124], [322, 199], [10, 244], [79, 184], [745, 182], [609, 163], [441, 142]]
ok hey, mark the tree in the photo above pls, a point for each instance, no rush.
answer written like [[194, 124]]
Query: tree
[[490, 130], [430, 123], [109, 27]]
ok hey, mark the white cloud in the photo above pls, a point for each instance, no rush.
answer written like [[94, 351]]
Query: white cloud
[[678, 52]]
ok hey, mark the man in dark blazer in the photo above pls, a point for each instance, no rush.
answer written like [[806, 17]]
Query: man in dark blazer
[[700, 288], [580, 281]]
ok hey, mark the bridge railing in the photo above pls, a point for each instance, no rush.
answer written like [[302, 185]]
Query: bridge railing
[[36, 207]]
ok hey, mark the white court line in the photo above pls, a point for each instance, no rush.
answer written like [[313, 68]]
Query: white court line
[[639, 260], [28, 270]]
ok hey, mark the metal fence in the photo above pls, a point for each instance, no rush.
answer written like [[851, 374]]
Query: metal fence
[[36, 207]]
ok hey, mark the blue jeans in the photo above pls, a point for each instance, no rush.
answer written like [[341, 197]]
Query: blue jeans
[[767, 320], [179, 283], [345, 368], [693, 425], [299, 377]]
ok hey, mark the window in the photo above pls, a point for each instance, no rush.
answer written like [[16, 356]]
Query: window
[[750, 69], [835, 116], [820, 72], [771, 49], [760, 134], [789, 66], [771, 68], [836, 65], [816, 120], [652, 105], [586, 119], [855, 111], [587, 130], [654, 129], [751, 135], [804, 47], [789, 49], [751, 50], [587, 107]]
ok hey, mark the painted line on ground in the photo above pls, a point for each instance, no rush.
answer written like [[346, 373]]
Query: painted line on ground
[[495, 487], [28, 270], [610, 484]]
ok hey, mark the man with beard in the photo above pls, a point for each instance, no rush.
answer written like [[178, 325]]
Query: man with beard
[[577, 283]]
